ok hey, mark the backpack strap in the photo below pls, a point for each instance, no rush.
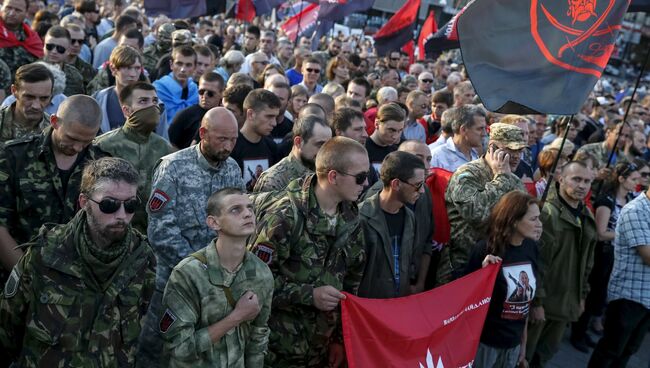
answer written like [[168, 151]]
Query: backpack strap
[[200, 256]]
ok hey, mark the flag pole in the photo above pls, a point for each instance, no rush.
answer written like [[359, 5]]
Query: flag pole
[[557, 159], [295, 42]]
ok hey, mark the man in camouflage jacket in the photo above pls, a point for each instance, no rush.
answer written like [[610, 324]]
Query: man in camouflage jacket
[[77, 296]]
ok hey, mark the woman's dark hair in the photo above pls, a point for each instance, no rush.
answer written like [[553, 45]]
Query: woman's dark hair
[[624, 169], [503, 220]]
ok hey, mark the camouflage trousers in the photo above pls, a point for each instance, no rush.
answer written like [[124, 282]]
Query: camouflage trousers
[[150, 346]]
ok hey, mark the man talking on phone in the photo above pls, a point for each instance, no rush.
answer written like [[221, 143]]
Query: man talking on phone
[[474, 189]]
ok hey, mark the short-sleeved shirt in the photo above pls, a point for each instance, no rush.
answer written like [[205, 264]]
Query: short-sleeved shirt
[[631, 276]]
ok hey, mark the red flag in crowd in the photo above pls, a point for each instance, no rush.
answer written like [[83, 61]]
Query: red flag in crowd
[[409, 49], [437, 328], [301, 21], [245, 10], [429, 29], [560, 53], [398, 30], [437, 182]]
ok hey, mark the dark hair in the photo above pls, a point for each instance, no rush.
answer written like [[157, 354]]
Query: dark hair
[[123, 22], [360, 81], [205, 22], [134, 33], [127, 92], [107, 168], [342, 119], [503, 218], [259, 99], [215, 201], [443, 97], [86, 6], [463, 116], [304, 127], [213, 77], [184, 50], [236, 95], [203, 51], [32, 73], [254, 30], [354, 59], [399, 165], [624, 169], [58, 32]]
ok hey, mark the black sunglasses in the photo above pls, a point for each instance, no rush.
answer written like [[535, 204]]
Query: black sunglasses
[[60, 49], [310, 70], [645, 175], [417, 186], [426, 80], [359, 178], [110, 205], [204, 91], [75, 40]]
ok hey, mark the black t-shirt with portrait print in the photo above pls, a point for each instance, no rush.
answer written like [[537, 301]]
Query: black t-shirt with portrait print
[[254, 158], [377, 153], [513, 293]]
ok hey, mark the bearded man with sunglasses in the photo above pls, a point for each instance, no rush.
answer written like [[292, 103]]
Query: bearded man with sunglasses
[[78, 294], [313, 244], [40, 174]]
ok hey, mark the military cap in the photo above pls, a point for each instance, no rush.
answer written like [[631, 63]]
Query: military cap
[[181, 37], [511, 136], [165, 31]]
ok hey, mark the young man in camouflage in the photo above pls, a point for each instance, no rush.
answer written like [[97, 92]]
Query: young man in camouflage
[[472, 192], [312, 241], [56, 49], [309, 134], [33, 92], [136, 141], [163, 46], [218, 300], [181, 185], [40, 174], [77, 295]]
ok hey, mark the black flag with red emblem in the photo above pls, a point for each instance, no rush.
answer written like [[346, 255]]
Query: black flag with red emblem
[[527, 56]]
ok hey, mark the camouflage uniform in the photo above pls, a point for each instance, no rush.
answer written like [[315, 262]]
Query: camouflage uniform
[[472, 192], [158, 49], [33, 192], [15, 57], [99, 82], [199, 293], [322, 251], [55, 313], [74, 81], [11, 129], [279, 175], [87, 71], [601, 153], [143, 151], [5, 77], [182, 184]]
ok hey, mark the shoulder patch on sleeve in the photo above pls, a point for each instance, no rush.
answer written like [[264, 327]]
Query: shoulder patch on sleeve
[[167, 320], [264, 252], [158, 200], [11, 286]]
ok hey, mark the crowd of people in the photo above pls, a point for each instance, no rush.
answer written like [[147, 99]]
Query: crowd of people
[[201, 192]]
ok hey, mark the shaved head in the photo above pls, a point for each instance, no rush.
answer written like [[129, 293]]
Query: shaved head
[[218, 132], [419, 149], [81, 109], [218, 116]]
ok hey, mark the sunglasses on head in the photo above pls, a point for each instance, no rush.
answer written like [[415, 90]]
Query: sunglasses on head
[[60, 49], [204, 91], [359, 178], [315, 71], [110, 205], [75, 40]]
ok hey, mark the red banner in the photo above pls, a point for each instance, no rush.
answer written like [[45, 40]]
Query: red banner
[[438, 328], [300, 22], [429, 29]]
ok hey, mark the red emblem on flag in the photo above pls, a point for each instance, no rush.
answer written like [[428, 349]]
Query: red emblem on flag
[[577, 35], [264, 252], [158, 200]]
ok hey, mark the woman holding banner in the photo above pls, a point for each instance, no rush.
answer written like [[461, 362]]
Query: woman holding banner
[[513, 229]]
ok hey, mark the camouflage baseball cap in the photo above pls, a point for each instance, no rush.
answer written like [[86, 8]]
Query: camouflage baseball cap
[[510, 135], [181, 37], [165, 32]]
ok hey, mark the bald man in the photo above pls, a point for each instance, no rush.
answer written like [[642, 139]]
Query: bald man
[[40, 175], [423, 220], [182, 183]]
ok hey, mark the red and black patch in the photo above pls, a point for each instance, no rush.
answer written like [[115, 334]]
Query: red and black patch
[[264, 252], [158, 200], [167, 320]]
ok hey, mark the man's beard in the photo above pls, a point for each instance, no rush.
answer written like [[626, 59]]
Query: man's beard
[[308, 163], [110, 234], [214, 155]]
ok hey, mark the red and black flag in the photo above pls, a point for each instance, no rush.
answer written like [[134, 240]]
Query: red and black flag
[[527, 56], [398, 30], [429, 28]]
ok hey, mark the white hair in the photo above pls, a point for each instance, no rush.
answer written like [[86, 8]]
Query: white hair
[[386, 94]]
